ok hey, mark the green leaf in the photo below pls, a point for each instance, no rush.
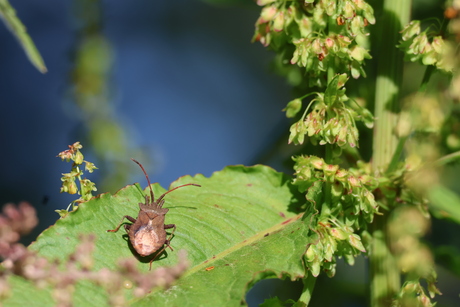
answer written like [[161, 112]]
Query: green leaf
[[445, 203], [331, 93], [23, 293], [241, 224], [8, 15]]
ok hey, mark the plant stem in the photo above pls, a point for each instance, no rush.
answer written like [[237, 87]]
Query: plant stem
[[331, 72], [385, 280], [308, 286]]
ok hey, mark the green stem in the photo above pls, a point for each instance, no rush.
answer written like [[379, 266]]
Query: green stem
[[448, 158], [385, 281], [325, 208], [308, 286], [384, 273]]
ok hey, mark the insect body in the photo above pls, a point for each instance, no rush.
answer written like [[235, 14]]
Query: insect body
[[147, 234]]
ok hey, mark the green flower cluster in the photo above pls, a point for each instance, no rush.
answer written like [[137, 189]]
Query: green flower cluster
[[334, 240], [316, 34], [426, 47], [330, 120], [69, 180], [351, 207]]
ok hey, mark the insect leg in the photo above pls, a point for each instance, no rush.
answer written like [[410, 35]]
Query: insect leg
[[168, 226], [158, 254], [129, 218]]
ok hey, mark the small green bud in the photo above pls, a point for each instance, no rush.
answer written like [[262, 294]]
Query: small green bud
[[355, 241], [329, 43], [410, 287], [410, 30], [317, 162], [315, 268], [368, 13], [77, 146], [278, 23], [330, 268], [71, 187], [357, 25], [312, 253], [429, 55], [359, 53], [268, 13], [341, 174], [350, 259], [330, 169], [343, 41], [348, 10], [352, 136], [293, 107], [62, 213], [354, 182], [304, 52], [318, 17], [338, 233], [305, 173], [305, 27], [90, 167], [432, 289], [87, 186], [370, 200], [289, 15], [297, 133], [66, 155], [316, 46], [329, 250], [438, 44], [367, 118], [355, 69], [419, 44], [342, 136], [64, 188], [78, 158], [331, 7], [296, 55]]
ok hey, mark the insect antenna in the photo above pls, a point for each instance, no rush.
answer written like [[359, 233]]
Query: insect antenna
[[148, 180], [184, 185]]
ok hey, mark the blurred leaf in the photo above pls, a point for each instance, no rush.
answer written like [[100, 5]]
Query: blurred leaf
[[445, 203], [20, 287], [8, 14], [235, 228]]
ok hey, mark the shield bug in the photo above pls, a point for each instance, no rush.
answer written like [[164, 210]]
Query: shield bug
[[147, 233]]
